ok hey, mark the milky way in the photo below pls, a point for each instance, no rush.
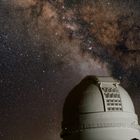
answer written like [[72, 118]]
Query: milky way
[[47, 46]]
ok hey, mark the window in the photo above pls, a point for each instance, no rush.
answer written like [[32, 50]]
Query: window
[[112, 99]]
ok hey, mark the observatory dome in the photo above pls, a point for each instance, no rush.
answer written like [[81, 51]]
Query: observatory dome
[[98, 108]]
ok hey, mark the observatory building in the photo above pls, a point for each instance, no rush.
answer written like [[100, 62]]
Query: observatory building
[[98, 108]]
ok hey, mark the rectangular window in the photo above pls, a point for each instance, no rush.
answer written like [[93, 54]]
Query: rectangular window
[[112, 99]]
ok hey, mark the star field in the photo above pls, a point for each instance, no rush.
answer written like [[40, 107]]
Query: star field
[[48, 46]]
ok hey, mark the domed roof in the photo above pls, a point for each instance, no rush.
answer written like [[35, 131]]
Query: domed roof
[[99, 102], [89, 96]]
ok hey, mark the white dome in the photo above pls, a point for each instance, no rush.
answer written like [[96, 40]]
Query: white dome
[[99, 105]]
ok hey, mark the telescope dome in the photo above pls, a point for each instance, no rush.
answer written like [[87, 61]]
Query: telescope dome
[[99, 108]]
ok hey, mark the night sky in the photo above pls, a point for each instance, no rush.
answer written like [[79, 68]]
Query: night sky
[[48, 46]]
